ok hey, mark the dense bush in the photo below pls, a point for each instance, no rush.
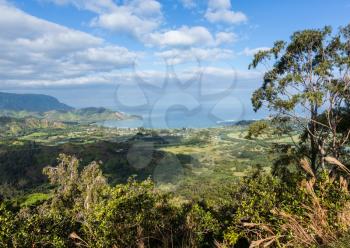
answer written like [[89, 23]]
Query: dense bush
[[133, 215], [86, 211], [307, 213], [263, 210]]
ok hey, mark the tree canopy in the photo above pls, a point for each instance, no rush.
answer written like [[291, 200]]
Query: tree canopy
[[307, 80]]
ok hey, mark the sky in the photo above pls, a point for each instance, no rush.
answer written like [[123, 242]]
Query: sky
[[107, 52]]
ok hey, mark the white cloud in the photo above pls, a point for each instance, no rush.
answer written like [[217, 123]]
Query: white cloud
[[240, 74], [187, 37], [182, 37], [108, 55], [178, 56], [98, 6], [55, 43], [225, 16], [133, 17], [219, 4], [219, 11], [225, 37], [251, 52], [15, 24], [142, 19], [146, 8], [35, 50], [124, 21]]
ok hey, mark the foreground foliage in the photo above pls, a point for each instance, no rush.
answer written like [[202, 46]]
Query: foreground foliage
[[263, 210]]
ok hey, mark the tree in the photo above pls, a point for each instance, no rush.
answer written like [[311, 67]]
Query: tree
[[308, 82], [256, 129], [76, 189]]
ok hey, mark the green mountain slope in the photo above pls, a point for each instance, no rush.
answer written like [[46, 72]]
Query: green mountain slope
[[85, 115], [30, 102], [49, 108]]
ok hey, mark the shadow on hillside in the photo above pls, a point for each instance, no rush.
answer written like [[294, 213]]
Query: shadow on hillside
[[21, 166]]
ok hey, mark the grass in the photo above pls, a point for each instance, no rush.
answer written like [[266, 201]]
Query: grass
[[224, 158]]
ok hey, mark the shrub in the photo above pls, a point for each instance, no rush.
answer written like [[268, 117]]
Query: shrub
[[133, 215]]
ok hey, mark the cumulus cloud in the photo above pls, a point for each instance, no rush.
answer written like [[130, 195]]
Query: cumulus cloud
[[188, 37], [42, 53], [252, 51], [179, 56], [225, 37], [125, 22], [17, 25], [99, 6], [109, 55], [133, 17], [143, 18], [240, 74], [35, 50], [219, 4], [220, 11], [182, 37]]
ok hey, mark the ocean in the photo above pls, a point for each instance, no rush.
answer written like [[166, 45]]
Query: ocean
[[181, 118]]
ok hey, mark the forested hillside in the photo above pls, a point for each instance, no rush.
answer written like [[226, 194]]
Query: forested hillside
[[50, 109], [30, 102]]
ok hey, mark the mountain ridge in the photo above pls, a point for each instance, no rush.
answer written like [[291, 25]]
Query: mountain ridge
[[31, 102], [50, 108]]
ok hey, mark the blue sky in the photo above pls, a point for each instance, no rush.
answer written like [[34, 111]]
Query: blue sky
[[81, 51]]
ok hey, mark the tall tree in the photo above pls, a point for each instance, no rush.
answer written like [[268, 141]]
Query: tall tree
[[307, 80]]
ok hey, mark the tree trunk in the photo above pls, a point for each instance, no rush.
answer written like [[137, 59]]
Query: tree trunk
[[313, 140]]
